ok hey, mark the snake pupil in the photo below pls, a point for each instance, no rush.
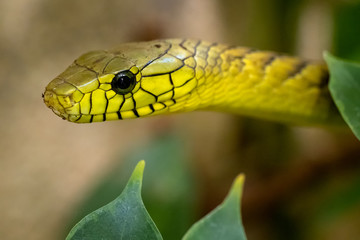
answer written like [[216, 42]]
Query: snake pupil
[[123, 82]]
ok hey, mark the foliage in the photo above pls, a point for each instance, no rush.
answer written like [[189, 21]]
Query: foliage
[[168, 186], [224, 222], [345, 87], [127, 218], [123, 218]]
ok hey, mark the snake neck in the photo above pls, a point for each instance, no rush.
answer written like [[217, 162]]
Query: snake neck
[[258, 84]]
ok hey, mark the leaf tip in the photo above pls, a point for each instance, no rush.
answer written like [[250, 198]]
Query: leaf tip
[[328, 56], [325, 54], [138, 171], [238, 185], [239, 181], [141, 165]]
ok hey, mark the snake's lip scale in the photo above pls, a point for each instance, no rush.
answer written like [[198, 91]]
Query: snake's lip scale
[[51, 101]]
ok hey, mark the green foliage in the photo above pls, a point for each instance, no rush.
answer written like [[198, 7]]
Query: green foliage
[[168, 186], [127, 218], [345, 87], [224, 222], [123, 218]]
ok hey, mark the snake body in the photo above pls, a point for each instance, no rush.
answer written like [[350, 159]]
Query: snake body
[[180, 75]]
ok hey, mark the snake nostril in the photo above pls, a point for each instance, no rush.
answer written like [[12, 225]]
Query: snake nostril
[[47, 97]]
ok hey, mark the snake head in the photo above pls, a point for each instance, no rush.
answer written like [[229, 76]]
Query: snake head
[[130, 81]]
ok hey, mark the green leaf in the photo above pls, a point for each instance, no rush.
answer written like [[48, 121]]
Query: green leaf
[[345, 89], [168, 189], [123, 218], [224, 222]]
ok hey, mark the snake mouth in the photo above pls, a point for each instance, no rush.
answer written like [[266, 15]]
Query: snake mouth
[[77, 117], [67, 109], [148, 110], [51, 100]]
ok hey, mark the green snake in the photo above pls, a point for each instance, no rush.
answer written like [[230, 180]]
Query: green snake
[[179, 75]]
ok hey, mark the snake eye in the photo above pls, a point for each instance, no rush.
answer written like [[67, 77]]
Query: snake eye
[[123, 82]]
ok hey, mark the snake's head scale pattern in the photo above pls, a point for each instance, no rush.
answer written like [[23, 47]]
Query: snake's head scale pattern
[[127, 82]]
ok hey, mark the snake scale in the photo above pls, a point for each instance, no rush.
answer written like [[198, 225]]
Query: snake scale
[[150, 78]]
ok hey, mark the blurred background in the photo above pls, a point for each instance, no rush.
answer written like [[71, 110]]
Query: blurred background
[[301, 183]]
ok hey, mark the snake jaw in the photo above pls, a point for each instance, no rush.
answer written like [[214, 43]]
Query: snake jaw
[[52, 102], [59, 97]]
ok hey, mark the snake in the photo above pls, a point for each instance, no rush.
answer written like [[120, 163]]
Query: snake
[[141, 79]]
